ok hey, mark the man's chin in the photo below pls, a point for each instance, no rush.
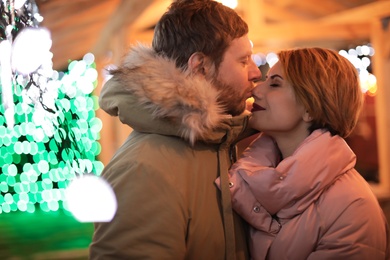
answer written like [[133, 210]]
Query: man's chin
[[238, 110]]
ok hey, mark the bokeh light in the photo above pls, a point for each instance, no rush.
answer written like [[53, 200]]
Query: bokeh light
[[45, 151], [30, 49], [229, 3], [359, 57], [91, 199]]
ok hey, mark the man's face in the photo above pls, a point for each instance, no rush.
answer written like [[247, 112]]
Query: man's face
[[236, 76]]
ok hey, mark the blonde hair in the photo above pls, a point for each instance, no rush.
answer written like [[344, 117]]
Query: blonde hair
[[327, 84]]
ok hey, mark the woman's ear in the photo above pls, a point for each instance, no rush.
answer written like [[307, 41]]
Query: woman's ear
[[307, 117], [197, 63]]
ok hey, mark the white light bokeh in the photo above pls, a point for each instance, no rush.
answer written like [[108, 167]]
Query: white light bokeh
[[19, 4], [362, 64], [6, 82], [91, 199], [367, 80], [272, 58], [30, 50], [229, 3]]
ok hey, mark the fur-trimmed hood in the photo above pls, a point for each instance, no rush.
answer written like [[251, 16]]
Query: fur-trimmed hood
[[150, 94]]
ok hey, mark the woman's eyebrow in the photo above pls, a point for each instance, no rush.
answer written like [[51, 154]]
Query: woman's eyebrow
[[274, 76]]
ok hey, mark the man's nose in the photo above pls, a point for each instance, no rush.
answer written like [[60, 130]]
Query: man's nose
[[255, 73], [256, 91]]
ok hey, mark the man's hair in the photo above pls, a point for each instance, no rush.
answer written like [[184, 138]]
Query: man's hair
[[328, 86], [191, 26]]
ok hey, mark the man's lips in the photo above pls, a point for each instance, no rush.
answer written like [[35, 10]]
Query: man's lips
[[256, 107]]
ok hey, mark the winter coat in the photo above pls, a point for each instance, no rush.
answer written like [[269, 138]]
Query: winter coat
[[163, 175], [311, 205]]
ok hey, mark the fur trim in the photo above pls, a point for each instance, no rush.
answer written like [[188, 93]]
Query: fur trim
[[170, 93]]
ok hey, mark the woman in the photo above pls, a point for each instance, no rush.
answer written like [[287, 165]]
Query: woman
[[296, 183]]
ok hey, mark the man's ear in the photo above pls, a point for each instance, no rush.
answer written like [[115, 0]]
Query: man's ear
[[197, 63]]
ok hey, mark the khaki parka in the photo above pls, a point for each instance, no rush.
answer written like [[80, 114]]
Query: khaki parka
[[163, 175]]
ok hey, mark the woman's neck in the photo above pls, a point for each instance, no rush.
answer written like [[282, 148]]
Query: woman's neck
[[288, 143]]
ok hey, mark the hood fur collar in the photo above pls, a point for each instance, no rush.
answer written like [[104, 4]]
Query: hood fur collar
[[166, 92]]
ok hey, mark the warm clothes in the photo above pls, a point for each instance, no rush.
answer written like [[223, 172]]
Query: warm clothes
[[311, 205], [163, 175]]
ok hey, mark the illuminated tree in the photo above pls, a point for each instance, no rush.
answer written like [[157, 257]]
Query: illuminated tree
[[48, 128]]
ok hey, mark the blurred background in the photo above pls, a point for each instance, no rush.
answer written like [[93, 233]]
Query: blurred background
[[90, 36]]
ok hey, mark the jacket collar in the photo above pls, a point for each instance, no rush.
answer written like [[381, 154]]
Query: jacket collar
[[288, 188]]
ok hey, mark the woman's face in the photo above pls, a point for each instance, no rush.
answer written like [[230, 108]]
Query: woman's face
[[276, 110]]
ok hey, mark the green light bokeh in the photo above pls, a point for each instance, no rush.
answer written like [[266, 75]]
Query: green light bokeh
[[40, 156]]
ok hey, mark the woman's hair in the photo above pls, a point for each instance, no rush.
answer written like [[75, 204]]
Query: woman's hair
[[328, 86], [191, 26]]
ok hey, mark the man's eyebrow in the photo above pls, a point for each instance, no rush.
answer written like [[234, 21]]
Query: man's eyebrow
[[245, 55]]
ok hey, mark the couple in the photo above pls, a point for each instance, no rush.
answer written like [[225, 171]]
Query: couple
[[293, 194]]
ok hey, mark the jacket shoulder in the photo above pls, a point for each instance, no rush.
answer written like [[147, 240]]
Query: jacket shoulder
[[351, 219]]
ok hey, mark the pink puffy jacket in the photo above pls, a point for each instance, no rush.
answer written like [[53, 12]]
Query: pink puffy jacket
[[311, 205]]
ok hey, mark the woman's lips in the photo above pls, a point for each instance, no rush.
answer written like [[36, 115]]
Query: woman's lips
[[256, 107]]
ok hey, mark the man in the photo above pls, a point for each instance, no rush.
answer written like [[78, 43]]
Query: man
[[184, 99]]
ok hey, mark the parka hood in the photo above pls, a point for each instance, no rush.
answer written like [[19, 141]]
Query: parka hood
[[150, 94]]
